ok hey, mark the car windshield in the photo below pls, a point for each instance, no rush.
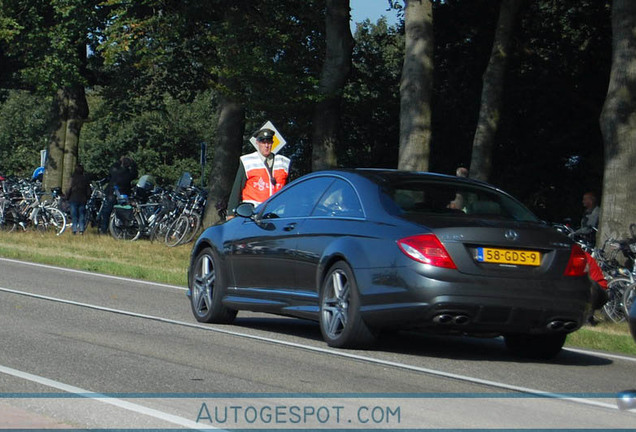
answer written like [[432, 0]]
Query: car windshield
[[425, 197]]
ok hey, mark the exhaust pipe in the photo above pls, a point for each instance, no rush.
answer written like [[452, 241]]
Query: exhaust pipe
[[443, 319], [461, 319], [570, 325], [451, 319], [557, 325]]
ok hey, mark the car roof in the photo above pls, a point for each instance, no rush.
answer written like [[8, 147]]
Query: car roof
[[386, 175]]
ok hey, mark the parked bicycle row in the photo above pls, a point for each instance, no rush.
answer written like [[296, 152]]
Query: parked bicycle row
[[617, 260], [170, 215], [22, 207]]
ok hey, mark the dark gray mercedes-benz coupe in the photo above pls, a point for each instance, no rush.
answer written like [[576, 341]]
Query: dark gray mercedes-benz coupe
[[367, 250]]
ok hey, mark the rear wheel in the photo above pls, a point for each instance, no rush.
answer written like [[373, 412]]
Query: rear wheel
[[8, 217], [124, 230], [207, 286], [629, 296], [49, 219], [341, 324], [543, 346]]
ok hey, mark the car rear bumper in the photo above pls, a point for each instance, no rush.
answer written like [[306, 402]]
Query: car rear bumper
[[474, 305]]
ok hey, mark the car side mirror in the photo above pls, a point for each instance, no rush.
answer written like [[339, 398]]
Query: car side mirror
[[245, 210]]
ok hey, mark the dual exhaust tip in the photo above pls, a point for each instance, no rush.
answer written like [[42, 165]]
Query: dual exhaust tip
[[459, 319], [560, 325]]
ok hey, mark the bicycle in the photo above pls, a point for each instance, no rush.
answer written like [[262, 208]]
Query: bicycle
[[185, 227], [132, 219]]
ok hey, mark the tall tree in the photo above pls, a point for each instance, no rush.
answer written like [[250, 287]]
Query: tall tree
[[618, 125], [333, 77], [49, 39], [416, 86], [257, 56], [492, 91]]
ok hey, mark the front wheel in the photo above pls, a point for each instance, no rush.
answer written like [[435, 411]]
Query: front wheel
[[341, 324], [194, 223], [614, 308], [543, 346], [207, 285], [177, 231]]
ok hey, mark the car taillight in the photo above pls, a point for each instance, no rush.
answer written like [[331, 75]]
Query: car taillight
[[427, 249], [577, 265]]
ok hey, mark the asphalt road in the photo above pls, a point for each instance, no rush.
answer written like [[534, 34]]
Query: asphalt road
[[88, 351]]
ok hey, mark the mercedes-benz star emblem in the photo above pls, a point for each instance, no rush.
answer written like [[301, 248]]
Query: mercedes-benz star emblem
[[511, 235]]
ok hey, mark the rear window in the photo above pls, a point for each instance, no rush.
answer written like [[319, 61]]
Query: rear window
[[452, 199]]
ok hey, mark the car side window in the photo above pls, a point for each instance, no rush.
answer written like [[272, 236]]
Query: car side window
[[340, 200], [297, 200]]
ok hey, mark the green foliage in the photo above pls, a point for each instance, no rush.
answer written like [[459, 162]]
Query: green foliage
[[554, 95], [164, 142], [371, 98], [24, 121], [49, 39], [158, 64]]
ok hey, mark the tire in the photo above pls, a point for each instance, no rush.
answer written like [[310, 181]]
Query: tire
[[177, 231], [159, 229], [544, 346], [8, 218], [341, 324], [49, 219], [207, 286], [121, 231], [614, 309], [194, 223], [629, 296]]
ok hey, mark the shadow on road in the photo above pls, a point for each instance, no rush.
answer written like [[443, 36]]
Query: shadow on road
[[412, 343]]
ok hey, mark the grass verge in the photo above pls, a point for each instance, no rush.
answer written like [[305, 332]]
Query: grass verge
[[158, 263], [102, 254]]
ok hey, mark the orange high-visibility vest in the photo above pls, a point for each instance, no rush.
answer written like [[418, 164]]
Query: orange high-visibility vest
[[258, 186]]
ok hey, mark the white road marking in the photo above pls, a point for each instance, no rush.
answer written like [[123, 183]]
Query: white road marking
[[129, 406], [329, 351], [142, 282], [87, 273]]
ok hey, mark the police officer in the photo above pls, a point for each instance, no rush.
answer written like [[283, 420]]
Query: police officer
[[260, 174]]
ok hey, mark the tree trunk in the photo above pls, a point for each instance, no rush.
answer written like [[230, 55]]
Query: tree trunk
[[492, 90], [618, 126], [415, 86], [71, 107], [333, 77], [227, 152]]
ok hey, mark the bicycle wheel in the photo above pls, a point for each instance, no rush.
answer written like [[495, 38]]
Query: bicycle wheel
[[159, 228], [194, 223], [629, 296], [177, 231], [49, 219], [124, 230], [614, 309], [8, 220]]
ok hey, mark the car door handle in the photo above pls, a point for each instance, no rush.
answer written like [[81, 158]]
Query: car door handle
[[290, 227]]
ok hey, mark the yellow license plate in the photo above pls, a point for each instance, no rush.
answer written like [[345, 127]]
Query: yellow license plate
[[508, 256]]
